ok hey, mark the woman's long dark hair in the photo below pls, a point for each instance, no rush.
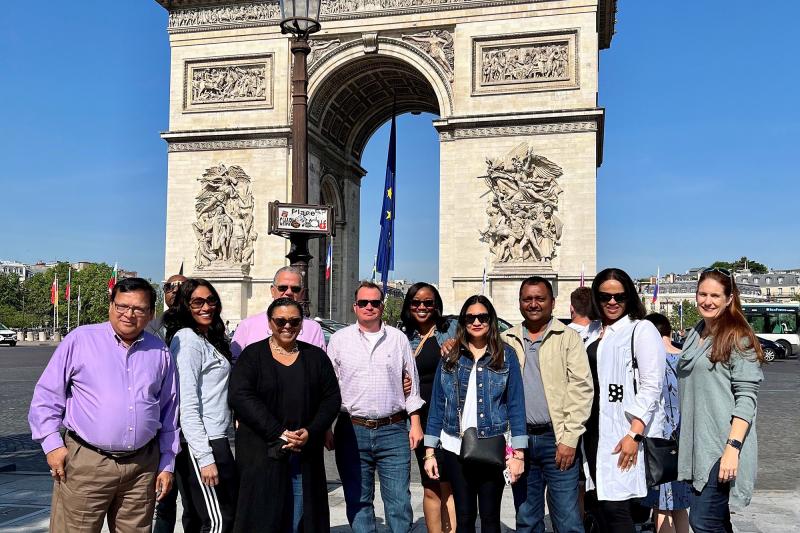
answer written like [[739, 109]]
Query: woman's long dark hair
[[495, 346], [409, 323], [731, 329], [634, 307], [180, 316]]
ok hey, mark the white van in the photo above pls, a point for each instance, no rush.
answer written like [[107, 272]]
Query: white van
[[7, 336]]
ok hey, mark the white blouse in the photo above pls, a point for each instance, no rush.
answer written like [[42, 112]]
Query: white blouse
[[619, 405], [469, 416]]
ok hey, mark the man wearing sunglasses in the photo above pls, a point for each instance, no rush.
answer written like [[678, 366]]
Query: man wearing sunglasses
[[171, 289], [372, 433], [558, 398], [287, 283]]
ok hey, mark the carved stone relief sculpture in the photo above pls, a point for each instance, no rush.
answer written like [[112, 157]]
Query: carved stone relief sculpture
[[239, 82], [548, 61], [219, 15], [438, 44], [523, 222], [320, 47], [224, 213]]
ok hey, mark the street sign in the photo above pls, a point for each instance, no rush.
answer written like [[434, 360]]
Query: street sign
[[312, 220]]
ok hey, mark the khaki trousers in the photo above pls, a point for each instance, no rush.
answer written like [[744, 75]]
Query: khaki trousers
[[96, 486]]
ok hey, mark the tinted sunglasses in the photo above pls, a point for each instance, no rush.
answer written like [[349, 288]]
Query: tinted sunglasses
[[363, 303], [283, 288], [483, 318], [198, 303], [422, 303], [171, 286], [723, 271], [606, 297], [293, 322]]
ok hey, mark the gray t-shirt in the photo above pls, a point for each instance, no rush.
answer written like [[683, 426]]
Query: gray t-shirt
[[536, 410]]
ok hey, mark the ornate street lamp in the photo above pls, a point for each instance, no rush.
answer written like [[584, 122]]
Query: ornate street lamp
[[300, 18]]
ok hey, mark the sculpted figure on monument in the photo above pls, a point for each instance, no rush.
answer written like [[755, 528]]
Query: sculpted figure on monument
[[522, 221], [228, 83], [224, 15], [439, 45], [319, 47], [224, 226], [525, 63]]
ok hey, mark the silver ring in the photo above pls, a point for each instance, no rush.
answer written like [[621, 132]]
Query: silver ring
[[52, 471]]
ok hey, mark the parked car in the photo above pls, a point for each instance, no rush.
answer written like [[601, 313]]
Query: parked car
[[772, 350], [8, 336], [329, 327]]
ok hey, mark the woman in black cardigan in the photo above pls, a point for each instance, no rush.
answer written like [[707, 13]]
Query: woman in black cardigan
[[285, 396]]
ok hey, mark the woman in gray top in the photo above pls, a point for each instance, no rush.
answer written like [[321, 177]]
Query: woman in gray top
[[719, 374], [205, 467]]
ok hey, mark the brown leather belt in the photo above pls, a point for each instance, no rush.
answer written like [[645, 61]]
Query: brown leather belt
[[375, 423], [112, 455]]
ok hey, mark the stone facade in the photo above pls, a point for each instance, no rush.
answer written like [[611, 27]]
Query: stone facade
[[499, 74]]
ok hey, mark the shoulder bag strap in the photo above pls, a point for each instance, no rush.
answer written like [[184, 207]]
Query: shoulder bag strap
[[423, 340], [634, 362]]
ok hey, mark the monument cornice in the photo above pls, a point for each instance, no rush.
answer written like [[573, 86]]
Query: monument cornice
[[269, 15], [226, 139]]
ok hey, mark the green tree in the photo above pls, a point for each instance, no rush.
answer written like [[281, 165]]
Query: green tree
[[391, 310], [691, 316], [754, 266]]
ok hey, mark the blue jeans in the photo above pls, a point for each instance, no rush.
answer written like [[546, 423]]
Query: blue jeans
[[359, 451], [296, 501], [709, 511], [562, 488]]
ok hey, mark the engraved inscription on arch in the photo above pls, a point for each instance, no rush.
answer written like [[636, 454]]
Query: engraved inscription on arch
[[525, 63], [228, 83]]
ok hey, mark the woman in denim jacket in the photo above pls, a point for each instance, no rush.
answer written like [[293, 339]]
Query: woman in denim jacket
[[477, 385]]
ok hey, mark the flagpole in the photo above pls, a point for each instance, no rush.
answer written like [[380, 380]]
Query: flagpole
[[68, 295], [79, 307], [54, 299]]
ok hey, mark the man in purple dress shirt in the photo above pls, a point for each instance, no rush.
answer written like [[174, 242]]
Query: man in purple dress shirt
[[113, 388], [287, 283]]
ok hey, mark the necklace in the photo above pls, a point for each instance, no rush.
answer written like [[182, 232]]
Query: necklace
[[277, 349]]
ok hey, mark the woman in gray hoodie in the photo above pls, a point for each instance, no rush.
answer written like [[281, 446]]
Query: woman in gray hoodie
[[719, 374], [206, 468]]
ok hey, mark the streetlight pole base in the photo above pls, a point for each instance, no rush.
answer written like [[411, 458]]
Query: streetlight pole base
[[299, 257]]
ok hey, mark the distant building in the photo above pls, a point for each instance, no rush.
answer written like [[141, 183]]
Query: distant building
[[775, 286], [20, 269]]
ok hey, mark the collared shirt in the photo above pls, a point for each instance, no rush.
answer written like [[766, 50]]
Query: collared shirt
[[589, 332], [114, 397], [371, 380], [256, 328], [536, 410]]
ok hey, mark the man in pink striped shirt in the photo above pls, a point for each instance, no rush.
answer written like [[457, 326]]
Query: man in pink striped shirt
[[287, 283], [370, 359]]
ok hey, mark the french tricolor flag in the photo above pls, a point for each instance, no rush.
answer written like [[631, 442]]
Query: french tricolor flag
[[655, 291], [329, 261]]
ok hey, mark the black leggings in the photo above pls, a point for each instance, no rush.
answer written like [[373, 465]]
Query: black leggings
[[475, 486], [210, 509]]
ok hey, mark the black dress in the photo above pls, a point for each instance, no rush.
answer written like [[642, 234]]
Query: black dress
[[427, 361], [591, 436], [256, 395]]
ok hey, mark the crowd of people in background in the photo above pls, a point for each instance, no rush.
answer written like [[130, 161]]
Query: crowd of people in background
[[133, 412]]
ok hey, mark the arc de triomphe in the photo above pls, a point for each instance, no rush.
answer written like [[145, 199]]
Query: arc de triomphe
[[514, 84]]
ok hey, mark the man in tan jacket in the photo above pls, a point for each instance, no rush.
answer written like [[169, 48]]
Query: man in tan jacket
[[558, 399]]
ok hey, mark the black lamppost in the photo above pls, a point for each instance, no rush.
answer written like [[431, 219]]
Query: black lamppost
[[300, 18]]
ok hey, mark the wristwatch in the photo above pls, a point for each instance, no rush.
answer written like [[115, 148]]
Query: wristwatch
[[637, 437], [735, 444]]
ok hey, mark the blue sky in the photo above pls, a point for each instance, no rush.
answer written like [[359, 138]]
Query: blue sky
[[701, 124]]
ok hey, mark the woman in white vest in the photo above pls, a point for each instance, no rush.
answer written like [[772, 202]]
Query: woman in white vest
[[627, 400]]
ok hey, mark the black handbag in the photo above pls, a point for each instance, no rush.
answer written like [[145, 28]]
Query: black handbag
[[490, 451], [660, 455]]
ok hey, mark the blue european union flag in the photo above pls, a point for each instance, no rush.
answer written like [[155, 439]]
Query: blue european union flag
[[385, 259]]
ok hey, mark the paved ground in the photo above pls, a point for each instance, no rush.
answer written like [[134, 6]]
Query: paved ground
[[25, 493]]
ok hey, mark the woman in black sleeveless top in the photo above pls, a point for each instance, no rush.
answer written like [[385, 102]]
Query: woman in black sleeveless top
[[427, 330]]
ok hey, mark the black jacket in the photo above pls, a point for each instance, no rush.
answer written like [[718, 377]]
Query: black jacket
[[254, 395]]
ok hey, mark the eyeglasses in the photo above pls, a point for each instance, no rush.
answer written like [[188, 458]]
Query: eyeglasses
[[197, 303], [374, 303], [422, 303], [723, 271], [606, 297], [123, 309], [483, 318], [172, 286], [283, 288], [293, 322]]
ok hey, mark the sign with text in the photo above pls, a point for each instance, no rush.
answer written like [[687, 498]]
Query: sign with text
[[286, 219]]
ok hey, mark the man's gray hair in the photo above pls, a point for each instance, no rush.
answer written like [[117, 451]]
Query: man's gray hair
[[291, 269]]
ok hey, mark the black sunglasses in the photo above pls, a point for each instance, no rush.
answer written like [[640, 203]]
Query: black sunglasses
[[483, 318], [723, 271], [283, 288], [172, 286], [293, 322], [198, 303], [606, 297], [363, 303], [422, 303]]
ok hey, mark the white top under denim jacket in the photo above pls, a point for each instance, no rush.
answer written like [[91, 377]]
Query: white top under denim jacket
[[619, 405], [203, 375]]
